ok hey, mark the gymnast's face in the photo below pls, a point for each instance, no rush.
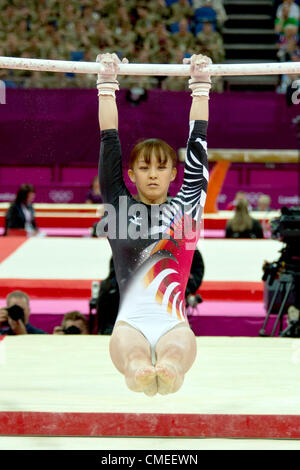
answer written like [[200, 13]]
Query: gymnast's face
[[152, 179]]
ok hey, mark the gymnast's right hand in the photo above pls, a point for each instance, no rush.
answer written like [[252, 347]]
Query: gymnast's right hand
[[200, 81]]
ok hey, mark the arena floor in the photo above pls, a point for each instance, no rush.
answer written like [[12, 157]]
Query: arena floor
[[155, 444], [88, 258], [48, 382], [242, 393]]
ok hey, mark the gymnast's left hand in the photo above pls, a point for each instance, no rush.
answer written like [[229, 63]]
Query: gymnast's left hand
[[199, 62], [110, 63]]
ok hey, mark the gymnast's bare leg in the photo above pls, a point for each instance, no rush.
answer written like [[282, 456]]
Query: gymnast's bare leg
[[131, 354], [175, 352]]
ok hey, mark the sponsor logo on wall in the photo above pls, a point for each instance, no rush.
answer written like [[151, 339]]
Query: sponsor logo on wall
[[61, 196], [222, 198], [253, 198], [289, 199], [7, 196]]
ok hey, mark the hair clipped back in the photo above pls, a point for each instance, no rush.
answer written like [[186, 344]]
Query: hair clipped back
[[148, 147]]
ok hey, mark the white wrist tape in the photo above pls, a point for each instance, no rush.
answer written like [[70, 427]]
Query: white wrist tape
[[199, 88], [107, 87]]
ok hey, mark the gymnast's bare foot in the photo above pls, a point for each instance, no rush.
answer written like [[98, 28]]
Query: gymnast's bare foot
[[169, 378], [141, 377]]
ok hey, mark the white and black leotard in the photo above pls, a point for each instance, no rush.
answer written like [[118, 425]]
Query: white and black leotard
[[152, 254]]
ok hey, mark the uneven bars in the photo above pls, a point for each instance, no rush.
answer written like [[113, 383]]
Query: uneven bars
[[273, 68]]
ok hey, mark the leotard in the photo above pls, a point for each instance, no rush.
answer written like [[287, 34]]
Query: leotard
[[152, 257]]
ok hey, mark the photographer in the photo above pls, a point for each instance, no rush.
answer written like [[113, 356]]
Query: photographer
[[73, 323], [108, 302], [15, 321], [195, 279], [282, 277]]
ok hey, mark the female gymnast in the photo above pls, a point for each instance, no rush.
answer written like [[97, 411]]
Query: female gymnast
[[152, 344]]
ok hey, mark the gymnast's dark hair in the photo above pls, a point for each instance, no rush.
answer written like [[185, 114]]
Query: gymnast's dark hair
[[146, 148], [23, 192]]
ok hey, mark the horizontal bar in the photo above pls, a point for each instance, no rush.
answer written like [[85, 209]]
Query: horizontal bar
[[149, 69]]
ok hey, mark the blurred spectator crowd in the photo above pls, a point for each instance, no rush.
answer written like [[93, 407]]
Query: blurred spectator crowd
[[157, 31], [287, 32]]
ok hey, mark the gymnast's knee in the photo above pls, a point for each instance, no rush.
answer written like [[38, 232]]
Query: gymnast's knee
[[183, 352], [170, 350], [128, 347]]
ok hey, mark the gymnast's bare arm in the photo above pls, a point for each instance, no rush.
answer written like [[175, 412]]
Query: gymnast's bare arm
[[107, 84], [200, 85], [108, 113], [199, 109]]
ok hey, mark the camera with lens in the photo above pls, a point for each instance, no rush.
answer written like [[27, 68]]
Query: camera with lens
[[194, 300], [286, 228], [72, 330], [271, 271], [282, 277], [16, 313]]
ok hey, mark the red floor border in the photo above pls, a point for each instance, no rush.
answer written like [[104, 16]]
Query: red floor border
[[49, 288], [81, 289], [9, 245], [86, 219], [147, 425]]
